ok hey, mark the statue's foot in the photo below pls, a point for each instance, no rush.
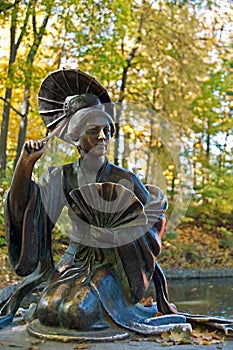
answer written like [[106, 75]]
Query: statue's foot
[[28, 314]]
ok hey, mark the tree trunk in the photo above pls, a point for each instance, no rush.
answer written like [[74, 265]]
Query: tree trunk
[[4, 130], [117, 137], [38, 35], [23, 124], [14, 45]]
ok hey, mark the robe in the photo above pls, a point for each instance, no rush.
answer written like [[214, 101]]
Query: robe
[[89, 282]]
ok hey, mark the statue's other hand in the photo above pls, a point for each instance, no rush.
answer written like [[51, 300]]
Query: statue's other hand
[[33, 150]]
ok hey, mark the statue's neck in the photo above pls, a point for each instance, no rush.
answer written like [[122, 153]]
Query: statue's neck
[[91, 164]]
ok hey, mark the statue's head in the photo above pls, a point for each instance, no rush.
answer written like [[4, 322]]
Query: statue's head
[[91, 129], [65, 92]]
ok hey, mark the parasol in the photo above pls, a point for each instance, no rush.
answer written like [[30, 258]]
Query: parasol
[[57, 88]]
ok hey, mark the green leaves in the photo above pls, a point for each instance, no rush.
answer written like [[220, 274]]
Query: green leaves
[[172, 57]]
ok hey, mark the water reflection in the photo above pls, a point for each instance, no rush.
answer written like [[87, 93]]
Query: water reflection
[[212, 297]]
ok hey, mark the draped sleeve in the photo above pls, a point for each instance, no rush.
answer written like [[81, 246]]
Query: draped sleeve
[[139, 256], [29, 241]]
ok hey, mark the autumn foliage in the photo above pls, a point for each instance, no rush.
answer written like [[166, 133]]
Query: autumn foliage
[[168, 67]]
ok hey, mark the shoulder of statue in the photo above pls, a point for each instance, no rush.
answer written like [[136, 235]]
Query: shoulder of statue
[[119, 169]]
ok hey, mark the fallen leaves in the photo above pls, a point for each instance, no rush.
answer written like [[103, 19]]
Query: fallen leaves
[[177, 336], [81, 346], [147, 302], [206, 338], [195, 247]]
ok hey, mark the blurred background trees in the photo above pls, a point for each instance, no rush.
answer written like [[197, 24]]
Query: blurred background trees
[[163, 60]]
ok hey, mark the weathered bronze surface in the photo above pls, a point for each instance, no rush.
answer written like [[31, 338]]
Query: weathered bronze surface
[[117, 226]]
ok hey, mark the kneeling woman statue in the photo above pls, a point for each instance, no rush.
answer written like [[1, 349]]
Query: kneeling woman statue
[[117, 224]]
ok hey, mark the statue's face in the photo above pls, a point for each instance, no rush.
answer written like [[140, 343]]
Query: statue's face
[[95, 136]]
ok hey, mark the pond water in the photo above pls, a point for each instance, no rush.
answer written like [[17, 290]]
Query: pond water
[[212, 297]]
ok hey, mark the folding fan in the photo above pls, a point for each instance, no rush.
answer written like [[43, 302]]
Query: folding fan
[[114, 214]]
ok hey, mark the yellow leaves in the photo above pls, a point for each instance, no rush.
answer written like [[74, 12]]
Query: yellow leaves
[[177, 336], [206, 338], [81, 346], [171, 166], [180, 337], [196, 247], [128, 129], [147, 302], [133, 132]]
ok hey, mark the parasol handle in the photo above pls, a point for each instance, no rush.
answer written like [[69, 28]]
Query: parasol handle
[[55, 131]]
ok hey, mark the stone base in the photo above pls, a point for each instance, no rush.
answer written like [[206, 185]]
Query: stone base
[[36, 329]]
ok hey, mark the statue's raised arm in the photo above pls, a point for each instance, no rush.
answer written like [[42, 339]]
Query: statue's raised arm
[[21, 181]]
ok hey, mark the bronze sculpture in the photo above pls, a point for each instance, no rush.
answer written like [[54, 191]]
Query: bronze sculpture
[[117, 223]]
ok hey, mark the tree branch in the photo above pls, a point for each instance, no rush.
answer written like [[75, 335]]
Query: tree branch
[[14, 109]]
